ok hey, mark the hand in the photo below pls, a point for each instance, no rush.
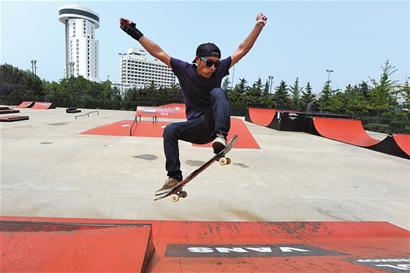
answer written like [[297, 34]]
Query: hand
[[125, 24], [129, 27], [261, 19], [124, 21]]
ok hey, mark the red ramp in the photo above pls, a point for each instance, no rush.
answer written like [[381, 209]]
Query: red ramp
[[263, 117], [403, 141], [74, 247], [104, 245], [345, 130], [352, 132], [396, 144], [42, 105], [156, 129], [25, 104], [122, 128], [13, 118]]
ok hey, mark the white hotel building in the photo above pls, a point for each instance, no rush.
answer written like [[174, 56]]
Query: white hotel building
[[138, 69], [81, 47]]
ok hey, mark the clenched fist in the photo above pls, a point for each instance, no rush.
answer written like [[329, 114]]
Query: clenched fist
[[261, 19]]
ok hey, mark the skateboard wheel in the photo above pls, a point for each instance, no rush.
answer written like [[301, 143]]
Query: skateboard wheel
[[223, 161], [175, 197], [183, 194], [228, 161]]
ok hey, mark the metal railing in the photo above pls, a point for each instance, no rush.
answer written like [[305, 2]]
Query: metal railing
[[87, 114]]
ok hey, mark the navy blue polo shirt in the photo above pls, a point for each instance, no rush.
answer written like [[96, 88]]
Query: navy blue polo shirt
[[195, 88]]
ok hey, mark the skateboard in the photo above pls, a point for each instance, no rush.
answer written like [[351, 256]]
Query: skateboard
[[177, 191]]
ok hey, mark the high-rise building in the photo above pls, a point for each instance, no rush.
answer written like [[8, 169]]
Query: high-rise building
[[138, 69], [81, 47]]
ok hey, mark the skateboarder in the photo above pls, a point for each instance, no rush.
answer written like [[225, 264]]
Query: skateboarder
[[207, 105]]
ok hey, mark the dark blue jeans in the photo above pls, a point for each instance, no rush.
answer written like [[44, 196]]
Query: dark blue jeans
[[200, 130]]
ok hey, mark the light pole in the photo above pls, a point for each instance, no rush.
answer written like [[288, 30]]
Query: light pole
[[34, 67], [121, 71], [328, 77], [270, 84]]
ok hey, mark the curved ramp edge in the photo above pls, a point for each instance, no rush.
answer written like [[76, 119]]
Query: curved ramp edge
[[403, 141], [259, 116], [391, 146], [344, 130]]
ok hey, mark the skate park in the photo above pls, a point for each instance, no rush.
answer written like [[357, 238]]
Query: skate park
[[83, 184]]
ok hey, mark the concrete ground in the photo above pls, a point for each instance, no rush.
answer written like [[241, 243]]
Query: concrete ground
[[49, 169]]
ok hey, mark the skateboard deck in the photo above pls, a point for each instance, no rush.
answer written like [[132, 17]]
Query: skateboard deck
[[178, 192]]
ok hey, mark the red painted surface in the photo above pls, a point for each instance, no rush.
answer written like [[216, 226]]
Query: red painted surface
[[150, 129], [403, 141], [354, 240], [245, 140], [122, 128], [25, 104], [42, 105], [248, 246], [260, 116], [344, 130], [57, 247]]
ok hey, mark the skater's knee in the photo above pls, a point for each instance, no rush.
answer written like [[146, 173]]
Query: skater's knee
[[218, 93], [169, 131]]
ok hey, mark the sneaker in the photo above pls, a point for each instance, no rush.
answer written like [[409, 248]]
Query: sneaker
[[169, 184], [219, 143]]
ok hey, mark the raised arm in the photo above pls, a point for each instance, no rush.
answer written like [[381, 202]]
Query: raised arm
[[247, 44], [153, 49]]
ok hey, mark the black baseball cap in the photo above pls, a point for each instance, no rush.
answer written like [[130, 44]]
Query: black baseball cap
[[207, 50]]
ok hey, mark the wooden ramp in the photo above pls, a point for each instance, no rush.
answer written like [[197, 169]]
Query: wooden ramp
[[12, 118]]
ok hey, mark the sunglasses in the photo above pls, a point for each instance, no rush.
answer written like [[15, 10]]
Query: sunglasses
[[210, 63]]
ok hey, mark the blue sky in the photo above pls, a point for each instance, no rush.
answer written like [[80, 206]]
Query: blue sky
[[302, 38]]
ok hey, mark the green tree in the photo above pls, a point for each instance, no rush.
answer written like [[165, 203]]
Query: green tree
[[405, 93], [238, 94], [266, 88], [307, 95], [382, 98], [19, 83], [325, 96], [241, 87], [281, 96], [336, 103], [295, 90], [254, 94]]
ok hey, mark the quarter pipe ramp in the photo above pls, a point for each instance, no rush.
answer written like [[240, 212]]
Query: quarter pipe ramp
[[352, 132], [263, 117]]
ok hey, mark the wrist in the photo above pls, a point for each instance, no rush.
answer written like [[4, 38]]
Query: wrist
[[260, 24], [137, 34]]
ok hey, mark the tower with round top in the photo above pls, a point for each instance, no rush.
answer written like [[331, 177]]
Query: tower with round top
[[81, 47]]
